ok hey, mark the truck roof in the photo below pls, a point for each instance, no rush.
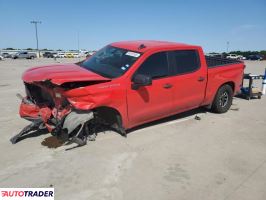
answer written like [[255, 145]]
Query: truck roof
[[135, 45]]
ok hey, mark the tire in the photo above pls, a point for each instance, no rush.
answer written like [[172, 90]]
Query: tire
[[223, 99], [32, 57]]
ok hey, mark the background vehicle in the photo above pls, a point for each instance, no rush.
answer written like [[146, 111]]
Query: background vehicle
[[60, 55], [49, 55], [76, 55], [69, 55], [220, 55], [6, 55], [87, 56], [254, 57], [126, 84], [217, 55], [25, 55], [234, 56], [1, 58]]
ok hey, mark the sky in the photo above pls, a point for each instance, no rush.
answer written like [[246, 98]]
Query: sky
[[210, 24]]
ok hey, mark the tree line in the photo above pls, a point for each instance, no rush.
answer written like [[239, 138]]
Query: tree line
[[247, 53]]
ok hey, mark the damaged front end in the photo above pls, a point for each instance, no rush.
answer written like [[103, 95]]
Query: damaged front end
[[46, 108]]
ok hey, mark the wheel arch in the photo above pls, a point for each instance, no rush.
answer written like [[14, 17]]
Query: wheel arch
[[215, 106], [111, 116], [230, 83]]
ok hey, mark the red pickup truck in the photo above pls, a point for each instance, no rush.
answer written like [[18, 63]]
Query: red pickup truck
[[126, 84]]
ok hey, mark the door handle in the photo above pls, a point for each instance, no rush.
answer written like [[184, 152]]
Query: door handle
[[201, 78], [167, 85]]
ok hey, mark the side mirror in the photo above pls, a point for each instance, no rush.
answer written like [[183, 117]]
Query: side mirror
[[141, 80]]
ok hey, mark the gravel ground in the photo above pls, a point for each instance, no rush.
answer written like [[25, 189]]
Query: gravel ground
[[221, 156]]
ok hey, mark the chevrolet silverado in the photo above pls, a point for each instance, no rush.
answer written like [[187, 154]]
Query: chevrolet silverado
[[123, 85]]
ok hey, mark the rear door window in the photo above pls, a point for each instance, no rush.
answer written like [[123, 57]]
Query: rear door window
[[155, 66], [185, 61]]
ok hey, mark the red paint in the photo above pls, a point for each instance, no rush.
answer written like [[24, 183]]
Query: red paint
[[135, 106], [59, 74], [29, 110]]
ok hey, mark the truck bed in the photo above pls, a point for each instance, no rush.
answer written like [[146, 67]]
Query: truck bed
[[220, 71], [217, 62]]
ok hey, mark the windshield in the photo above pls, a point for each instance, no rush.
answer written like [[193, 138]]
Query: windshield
[[111, 62]]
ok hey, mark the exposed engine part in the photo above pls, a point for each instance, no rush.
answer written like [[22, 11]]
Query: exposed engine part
[[197, 117], [79, 141], [39, 94], [75, 119], [80, 126], [48, 108], [35, 125], [75, 126], [23, 99]]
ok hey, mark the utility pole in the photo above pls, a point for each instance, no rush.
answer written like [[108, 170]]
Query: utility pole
[[227, 47], [78, 47], [78, 40], [36, 33]]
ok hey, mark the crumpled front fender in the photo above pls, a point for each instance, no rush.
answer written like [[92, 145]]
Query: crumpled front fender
[[84, 99]]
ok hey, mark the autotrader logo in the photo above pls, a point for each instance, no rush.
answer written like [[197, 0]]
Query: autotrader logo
[[27, 193]]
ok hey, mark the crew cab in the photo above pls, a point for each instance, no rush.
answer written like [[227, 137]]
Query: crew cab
[[126, 84], [25, 54]]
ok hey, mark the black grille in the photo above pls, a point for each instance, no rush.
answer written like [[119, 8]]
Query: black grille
[[38, 95]]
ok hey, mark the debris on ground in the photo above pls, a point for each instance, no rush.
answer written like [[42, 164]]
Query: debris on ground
[[235, 109], [197, 117]]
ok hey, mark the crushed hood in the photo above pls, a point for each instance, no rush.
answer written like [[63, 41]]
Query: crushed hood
[[59, 74]]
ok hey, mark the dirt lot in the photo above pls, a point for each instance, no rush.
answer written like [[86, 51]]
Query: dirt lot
[[217, 157]]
